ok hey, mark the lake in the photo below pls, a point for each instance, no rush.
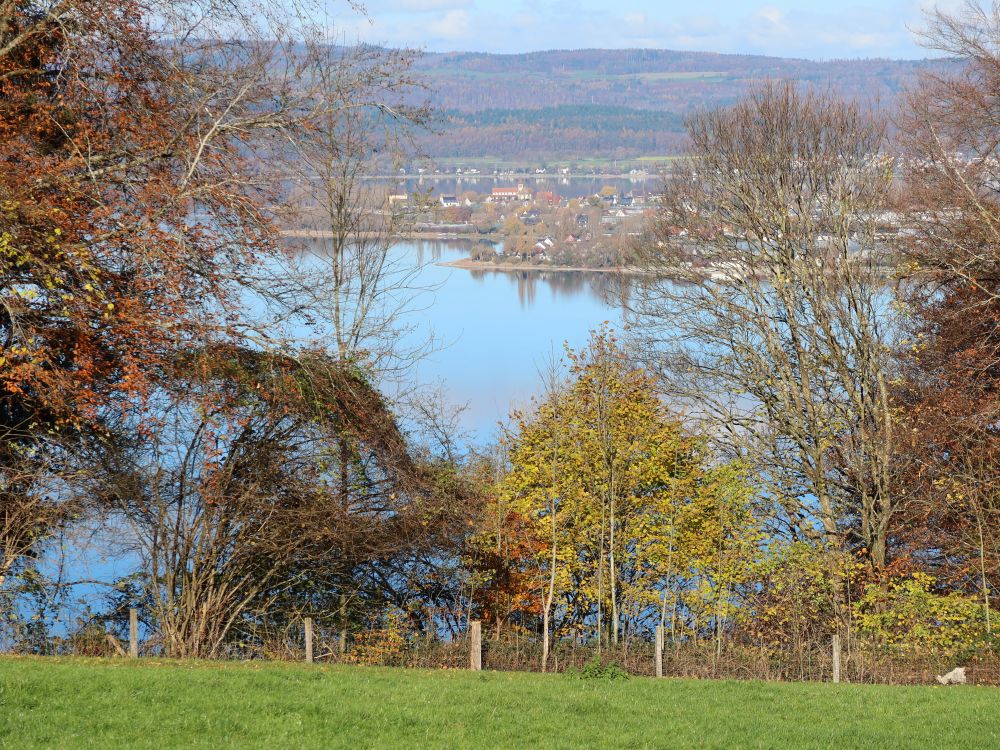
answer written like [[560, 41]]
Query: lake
[[494, 330]]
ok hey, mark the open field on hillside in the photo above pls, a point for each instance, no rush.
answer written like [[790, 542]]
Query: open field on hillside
[[680, 75], [71, 703], [582, 166]]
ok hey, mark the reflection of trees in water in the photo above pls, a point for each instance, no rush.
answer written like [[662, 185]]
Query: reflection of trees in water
[[424, 251], [608, 288], [298, 246], [433, 251]]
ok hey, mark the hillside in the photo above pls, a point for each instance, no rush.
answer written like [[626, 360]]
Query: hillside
[[614, 103]]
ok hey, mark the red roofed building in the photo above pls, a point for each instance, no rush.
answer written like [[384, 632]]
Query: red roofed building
[[510, 195]]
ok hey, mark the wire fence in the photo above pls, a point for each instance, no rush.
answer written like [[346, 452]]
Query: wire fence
[[860, 662]]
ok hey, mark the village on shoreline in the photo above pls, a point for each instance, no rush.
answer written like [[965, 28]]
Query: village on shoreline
[[519, 228]]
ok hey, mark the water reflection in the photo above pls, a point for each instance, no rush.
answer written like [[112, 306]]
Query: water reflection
[[496, 327], [436, 251], [501, 326], [607, 288]]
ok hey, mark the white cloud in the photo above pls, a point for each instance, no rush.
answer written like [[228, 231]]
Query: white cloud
[[454, 24], [766, 27], [771, 15], [769, 27]]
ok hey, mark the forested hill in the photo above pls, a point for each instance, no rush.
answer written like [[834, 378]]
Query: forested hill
[[613, 103]]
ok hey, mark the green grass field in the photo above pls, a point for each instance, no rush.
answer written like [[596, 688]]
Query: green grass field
[[71, 703], [679, 75]]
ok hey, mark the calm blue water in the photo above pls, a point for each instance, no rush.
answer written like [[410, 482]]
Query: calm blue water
[[496, 331], [500, 328], [493, 330]]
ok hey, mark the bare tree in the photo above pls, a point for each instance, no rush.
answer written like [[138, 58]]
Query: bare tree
[[354, 279], [235, 497], [767, 313]]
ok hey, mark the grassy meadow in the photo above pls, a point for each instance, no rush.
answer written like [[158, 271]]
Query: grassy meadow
[[83, 703]]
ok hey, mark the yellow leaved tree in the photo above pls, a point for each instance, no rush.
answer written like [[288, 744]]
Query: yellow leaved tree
[[637, 523]]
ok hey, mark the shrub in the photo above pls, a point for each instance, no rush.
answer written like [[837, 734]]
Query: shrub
[[596, 669], [385, 646], [910, 615]]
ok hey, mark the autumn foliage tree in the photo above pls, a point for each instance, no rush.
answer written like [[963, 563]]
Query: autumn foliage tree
[[150, 355], [951, 396], [127, 199], [503, 553], [633, 524], [237, 499]]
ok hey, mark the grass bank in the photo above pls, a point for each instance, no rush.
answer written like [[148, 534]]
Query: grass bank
[[81, 703]]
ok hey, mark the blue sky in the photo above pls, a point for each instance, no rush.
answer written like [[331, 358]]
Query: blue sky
[[816, 30]]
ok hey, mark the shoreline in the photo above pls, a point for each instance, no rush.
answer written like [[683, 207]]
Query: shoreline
[[467, 264], [322, 234], [645, 176]]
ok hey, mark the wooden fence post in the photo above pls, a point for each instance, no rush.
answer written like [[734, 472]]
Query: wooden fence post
[[133, 633], [342, 641], [429, 614], [659, 651], [475, 645], [836, 658], [309, 640]]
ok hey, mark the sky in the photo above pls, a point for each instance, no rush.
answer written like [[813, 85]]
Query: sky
[[833, 29]]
